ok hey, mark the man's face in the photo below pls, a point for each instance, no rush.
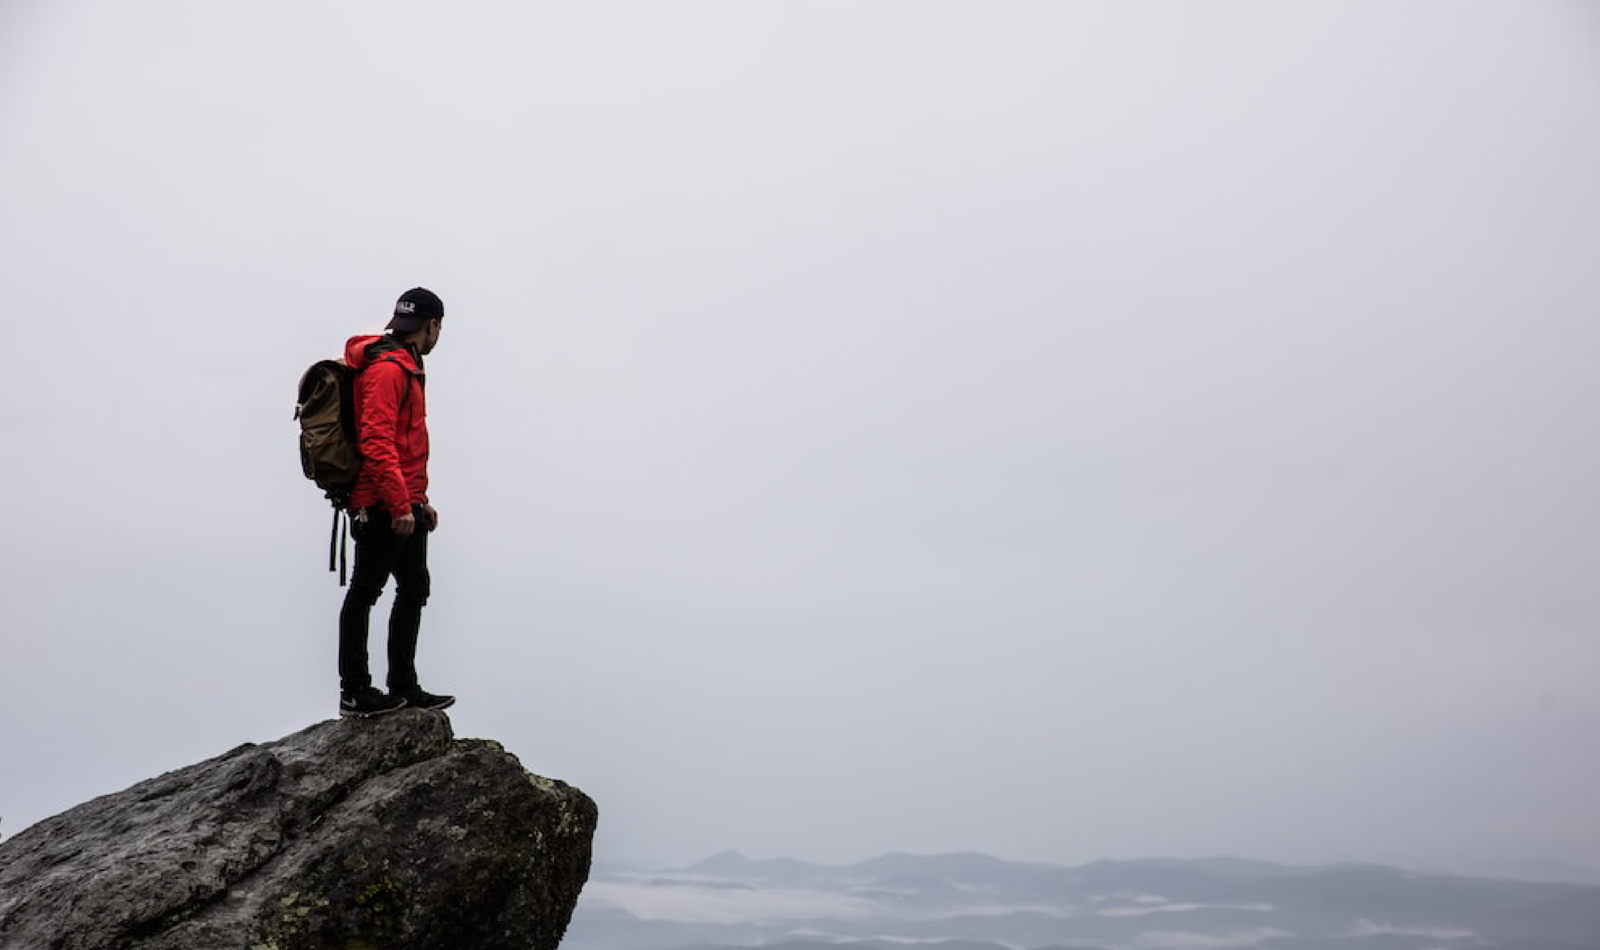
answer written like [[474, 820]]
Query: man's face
[[430, 336]]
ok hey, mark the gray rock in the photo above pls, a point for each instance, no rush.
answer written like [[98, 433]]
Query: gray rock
[[385, 833]]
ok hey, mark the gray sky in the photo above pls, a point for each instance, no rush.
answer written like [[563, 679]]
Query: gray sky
[[1061, 430]]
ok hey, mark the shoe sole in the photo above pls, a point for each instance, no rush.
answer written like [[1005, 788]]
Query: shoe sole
[[436, 706], [357, 714]]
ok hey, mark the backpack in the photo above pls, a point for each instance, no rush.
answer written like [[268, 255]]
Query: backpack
[[328, 453]]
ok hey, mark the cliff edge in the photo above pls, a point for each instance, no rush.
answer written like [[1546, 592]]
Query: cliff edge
[[385, 833]]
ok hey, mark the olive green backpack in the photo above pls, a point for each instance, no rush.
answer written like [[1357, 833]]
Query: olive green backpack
[[328, 453]]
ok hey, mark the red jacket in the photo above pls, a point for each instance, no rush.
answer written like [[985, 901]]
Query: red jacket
[[391, 416]]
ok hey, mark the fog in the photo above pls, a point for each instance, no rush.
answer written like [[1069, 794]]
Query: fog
[[1057, 430]]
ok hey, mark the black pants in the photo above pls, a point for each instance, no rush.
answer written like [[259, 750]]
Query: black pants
[[379, 554]]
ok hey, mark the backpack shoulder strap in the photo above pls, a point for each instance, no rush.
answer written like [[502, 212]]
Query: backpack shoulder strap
[[387, 350]]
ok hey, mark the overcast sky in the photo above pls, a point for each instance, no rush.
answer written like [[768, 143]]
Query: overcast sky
[[1059, 430]]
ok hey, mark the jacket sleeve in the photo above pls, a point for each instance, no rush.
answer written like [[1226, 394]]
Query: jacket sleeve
[[383, 387]]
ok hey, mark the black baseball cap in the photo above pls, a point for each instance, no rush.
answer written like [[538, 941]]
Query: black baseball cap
[[415, 308]]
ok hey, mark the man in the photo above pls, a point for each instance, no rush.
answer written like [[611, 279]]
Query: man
[[391, 517]]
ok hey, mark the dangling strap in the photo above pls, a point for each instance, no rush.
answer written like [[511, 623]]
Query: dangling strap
[[338, 541], [333, 538]]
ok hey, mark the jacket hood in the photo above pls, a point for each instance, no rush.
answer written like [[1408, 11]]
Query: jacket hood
[[361, 350]]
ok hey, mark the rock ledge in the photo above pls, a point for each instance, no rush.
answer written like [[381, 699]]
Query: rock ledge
[[385, 833]]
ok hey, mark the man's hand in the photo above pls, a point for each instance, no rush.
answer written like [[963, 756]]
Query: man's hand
[[403, 525]]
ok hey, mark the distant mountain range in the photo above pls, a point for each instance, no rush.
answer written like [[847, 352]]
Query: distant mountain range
[[976, 902]]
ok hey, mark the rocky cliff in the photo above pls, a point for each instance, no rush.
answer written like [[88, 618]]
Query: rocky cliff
[[382, 834]]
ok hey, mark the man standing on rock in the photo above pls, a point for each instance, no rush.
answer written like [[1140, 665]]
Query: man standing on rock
[[391, 517]]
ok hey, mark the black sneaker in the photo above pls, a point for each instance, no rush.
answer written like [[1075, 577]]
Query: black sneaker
[[419, 698], [368, 702]]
